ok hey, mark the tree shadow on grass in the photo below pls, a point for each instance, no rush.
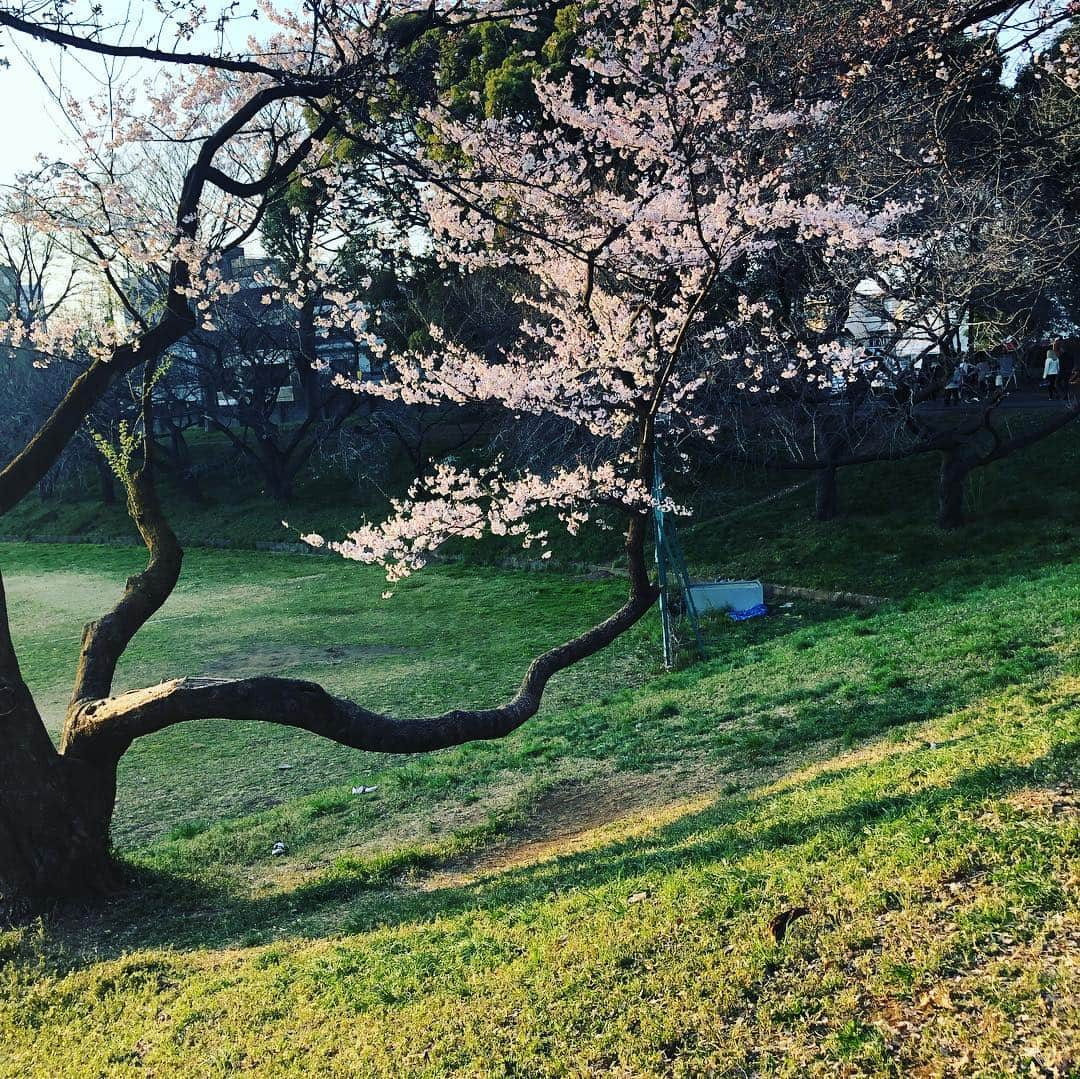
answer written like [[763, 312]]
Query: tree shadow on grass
[[165, 910], [183, 907]]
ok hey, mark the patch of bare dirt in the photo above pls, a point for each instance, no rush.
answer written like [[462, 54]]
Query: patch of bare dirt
[[574, 813], [64, 597], [571, 809], [1056, 801], [60, 596], [567, 816]]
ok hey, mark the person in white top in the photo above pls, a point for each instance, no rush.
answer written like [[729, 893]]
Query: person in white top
[[1052, 367], [956, 383]]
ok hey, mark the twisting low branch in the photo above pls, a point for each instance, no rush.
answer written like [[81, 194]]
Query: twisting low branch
[[56, 36], [101, 730], [105, 639]]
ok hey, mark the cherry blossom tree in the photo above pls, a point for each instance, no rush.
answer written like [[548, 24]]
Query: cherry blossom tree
[[672, 154], [235, 121]]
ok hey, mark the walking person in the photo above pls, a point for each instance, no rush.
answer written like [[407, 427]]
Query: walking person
[[955, 383], [1052, 368], [1006, 371], [1066, 368]]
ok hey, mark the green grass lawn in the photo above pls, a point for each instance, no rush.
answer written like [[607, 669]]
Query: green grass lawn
[[593, 895], [452, 636], [1022, 514]]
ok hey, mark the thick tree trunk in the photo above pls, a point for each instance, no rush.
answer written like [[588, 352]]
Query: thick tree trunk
[[56, 807], [954, 469], [54, 812], [826, 499], [278, 477]]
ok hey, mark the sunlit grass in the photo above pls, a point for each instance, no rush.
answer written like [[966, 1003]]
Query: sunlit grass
[[593, 895]]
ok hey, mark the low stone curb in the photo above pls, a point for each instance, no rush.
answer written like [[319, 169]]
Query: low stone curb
[[816, 595]]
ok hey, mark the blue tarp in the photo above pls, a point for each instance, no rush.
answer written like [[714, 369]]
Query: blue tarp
[[750, 612]]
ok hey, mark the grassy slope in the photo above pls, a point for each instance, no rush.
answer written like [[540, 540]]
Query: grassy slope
[[592, 895], [1023, 513]]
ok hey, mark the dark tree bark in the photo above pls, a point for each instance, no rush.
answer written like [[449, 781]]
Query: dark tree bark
[[960, 457], [62, 849], [54, 812], [955, 465], [56, 804], [177, 460], [826, 497], [279, 456], [56, 807]]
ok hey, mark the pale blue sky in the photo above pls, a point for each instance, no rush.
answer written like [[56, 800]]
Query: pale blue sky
[[30, 121]]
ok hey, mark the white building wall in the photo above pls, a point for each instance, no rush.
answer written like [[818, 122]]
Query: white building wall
[[869, 323]]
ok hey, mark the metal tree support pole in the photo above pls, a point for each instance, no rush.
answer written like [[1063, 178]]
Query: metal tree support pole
[[665, 605], [670, 562]]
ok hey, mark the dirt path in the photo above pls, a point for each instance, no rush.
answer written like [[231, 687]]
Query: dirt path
[[578, 813], [574, 814]]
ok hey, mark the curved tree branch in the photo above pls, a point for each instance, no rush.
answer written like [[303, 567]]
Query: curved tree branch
[[40, 453], [68, 40], [277, 173], [105, 639], [31, 463], [101, 730]]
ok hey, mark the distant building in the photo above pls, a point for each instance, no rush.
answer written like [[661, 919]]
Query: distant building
[[249, 358], [886, 326], [895, 334]]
